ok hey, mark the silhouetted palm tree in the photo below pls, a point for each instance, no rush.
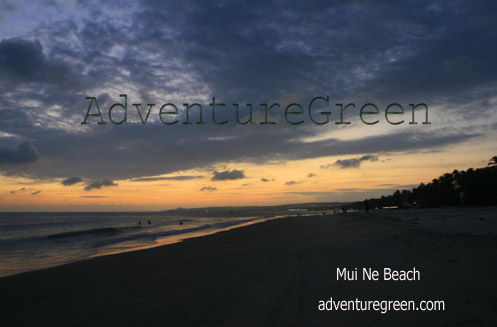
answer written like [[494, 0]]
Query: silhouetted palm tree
[[493, 161], [477, 184]]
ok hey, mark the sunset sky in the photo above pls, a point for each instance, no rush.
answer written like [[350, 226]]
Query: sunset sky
[[54, 54]]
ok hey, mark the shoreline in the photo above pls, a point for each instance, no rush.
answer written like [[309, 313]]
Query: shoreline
[[159, 241], [178, 238], [273, 273]]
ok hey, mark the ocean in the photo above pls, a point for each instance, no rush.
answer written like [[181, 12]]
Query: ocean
[[32, 241]]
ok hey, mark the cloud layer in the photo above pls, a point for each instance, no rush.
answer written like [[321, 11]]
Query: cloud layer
[[19, 154], [157, 52]]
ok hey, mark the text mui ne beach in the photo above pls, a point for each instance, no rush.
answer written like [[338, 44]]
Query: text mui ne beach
[[294, 113]]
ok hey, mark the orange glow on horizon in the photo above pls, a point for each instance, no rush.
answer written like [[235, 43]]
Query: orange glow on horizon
[[286, 182]]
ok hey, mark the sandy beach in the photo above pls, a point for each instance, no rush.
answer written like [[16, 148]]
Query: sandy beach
[[275, 273]]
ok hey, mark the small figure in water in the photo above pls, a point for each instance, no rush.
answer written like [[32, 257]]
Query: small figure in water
[[344, 209], [140, 222], [180, 222], [149, 222]]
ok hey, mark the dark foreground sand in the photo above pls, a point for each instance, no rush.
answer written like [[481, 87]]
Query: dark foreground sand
[[273, 274]]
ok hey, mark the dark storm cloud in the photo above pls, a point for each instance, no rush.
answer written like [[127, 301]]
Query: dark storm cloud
[[71, 181], [334, 44], [435, 53], [227, 175], [352, 163], [19, 154], [24, 61], [99, 184]]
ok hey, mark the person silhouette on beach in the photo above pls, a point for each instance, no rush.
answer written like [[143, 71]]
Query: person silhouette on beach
[[140, 222], [366, 206], [149, 222], [462, 196]]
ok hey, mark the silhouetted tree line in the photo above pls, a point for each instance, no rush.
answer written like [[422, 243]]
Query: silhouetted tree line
[[467, 187]]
